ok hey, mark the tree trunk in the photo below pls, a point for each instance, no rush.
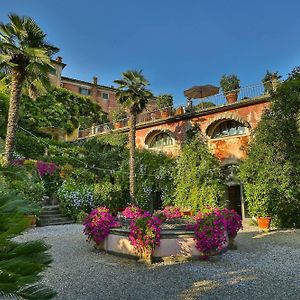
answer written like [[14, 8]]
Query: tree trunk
[[132, 158], [13, 114]]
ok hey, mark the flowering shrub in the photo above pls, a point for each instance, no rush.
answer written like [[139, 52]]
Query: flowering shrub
[[171, 212], [145, 233], [98, 224], [132, 212], [45, 168], [232, 218], [210, 232], [233, 221], [74, 198]]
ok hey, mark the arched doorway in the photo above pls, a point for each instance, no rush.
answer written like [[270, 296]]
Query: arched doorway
[[234, 190]]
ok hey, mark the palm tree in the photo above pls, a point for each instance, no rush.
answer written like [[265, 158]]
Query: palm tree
[[25, 57], [134, 96]]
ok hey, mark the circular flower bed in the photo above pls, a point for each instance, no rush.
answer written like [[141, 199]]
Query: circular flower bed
[[211, 229]]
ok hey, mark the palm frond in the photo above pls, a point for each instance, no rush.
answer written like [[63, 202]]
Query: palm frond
[[20, 263], [37, 291]]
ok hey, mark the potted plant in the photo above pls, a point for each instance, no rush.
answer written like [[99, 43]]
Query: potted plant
[[270, 81], [261, 208], [165, 104], [230, 85], [118, 116]]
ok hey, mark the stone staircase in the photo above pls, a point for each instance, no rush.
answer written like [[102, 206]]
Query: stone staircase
[[51, 215]]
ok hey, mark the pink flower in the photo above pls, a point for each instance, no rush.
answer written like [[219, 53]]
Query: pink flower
[[132, 212], [98, 223]]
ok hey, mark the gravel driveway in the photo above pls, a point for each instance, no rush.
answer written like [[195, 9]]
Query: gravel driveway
[[265, 266]]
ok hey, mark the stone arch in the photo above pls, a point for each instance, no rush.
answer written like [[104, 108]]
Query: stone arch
[[227, 116]]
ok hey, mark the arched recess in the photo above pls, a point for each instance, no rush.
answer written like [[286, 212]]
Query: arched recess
[[158, 139], [227, 125]]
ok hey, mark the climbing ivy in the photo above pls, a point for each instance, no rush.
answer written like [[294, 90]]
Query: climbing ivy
[[198, 176]]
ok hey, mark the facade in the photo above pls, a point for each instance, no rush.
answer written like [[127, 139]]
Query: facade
[[227, 131], [226, 127], [103, 95]]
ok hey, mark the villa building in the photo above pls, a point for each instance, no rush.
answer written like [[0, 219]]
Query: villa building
[[226, 127], [103, 95]]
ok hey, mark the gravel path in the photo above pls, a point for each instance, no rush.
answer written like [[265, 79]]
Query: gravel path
[[265, 266]]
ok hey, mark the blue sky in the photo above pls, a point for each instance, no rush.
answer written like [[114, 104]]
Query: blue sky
[[176, 43]]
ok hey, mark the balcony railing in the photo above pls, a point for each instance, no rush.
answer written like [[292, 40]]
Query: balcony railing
[[245, 93]]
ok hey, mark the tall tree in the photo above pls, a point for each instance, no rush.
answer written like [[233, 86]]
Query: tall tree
[[25, 57], [133, 95], [271, 172]]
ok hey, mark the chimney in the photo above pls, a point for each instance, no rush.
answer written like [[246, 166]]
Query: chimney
[[59, 59], [95, 80]]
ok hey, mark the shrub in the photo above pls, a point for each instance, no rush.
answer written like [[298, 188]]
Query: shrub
[[25, 183], [109, 195], [198, 180], [229, 83], [270, 173], [154, 175], [73, 198]]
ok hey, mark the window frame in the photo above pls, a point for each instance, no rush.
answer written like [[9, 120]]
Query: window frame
[[86, 89], [165, 139], [104, 97], [228, 128]]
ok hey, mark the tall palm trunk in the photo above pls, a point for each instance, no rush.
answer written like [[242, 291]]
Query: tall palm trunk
[[13, 114], [132, 157]]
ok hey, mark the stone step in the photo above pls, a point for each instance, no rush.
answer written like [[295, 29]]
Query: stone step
[[47, 223], [55, 217], [50, 208], [52, 215]]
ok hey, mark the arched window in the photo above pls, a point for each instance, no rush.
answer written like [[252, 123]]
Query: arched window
[[228, 128], [161, 140]]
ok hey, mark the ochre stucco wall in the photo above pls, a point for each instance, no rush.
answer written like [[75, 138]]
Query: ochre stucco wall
[[227, 149]]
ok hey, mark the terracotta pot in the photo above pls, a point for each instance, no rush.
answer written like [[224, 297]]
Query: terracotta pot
[[118, 125], [179, 111], [231, 98], [264, 222], [31, 220], [165, 114]]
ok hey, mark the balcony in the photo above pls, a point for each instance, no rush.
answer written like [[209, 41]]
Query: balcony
[[248, 93]]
